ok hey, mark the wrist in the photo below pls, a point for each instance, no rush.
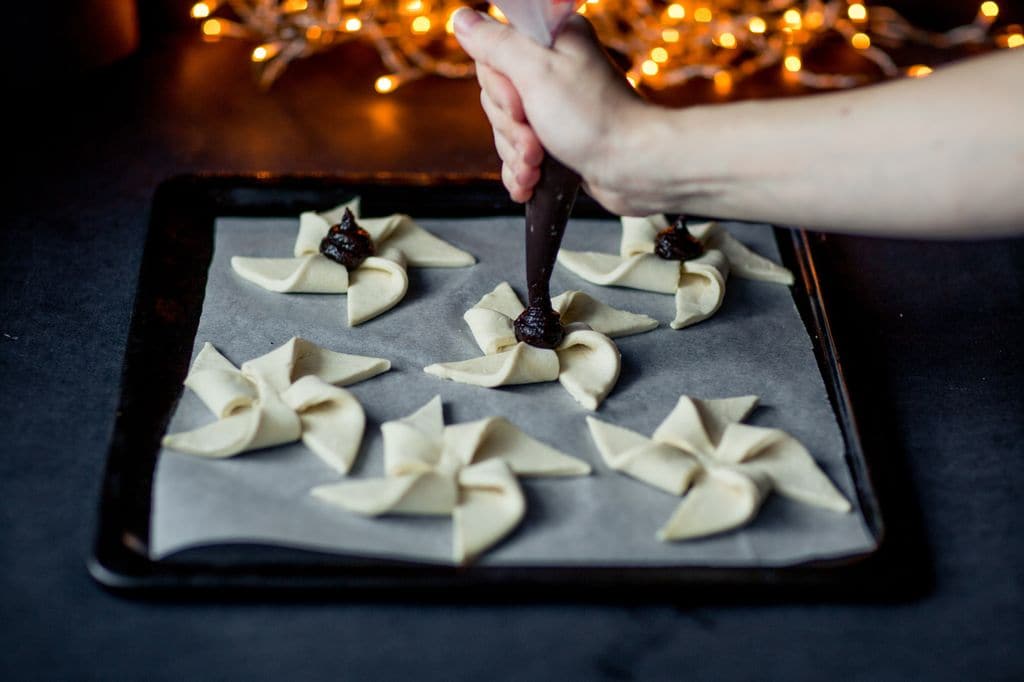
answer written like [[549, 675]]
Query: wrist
[[626, 163], [703, 158]]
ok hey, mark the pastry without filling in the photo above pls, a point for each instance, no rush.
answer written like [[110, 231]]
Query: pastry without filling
[[291, 393], [723, 469], [467, 471]]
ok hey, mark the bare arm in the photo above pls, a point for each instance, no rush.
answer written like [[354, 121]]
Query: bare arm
[[936, 157]]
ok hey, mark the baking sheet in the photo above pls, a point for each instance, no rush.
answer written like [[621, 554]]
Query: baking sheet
[[755, 344]]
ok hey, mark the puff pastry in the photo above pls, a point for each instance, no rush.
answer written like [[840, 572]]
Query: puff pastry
[[467, 471], [374, 287], [291, 393], [698, 284], [586, 363], [723, 469]]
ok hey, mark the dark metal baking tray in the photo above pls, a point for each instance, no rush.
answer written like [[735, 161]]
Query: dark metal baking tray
[[168, 304]]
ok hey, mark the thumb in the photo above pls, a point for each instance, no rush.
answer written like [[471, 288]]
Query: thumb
[[577, 36], [498, 45]]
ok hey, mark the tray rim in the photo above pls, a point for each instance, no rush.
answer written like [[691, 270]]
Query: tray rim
[[120, 562]]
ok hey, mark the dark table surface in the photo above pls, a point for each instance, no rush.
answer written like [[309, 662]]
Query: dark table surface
[[930, 335]]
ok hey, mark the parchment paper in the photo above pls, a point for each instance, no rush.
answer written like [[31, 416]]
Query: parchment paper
[[755, 344]]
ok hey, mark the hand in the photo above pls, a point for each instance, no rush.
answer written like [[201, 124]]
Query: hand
[[569, 99]]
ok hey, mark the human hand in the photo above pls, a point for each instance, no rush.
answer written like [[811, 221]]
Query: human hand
[[569, 99]]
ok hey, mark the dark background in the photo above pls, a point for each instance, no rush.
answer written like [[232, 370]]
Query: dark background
[[930, 334]]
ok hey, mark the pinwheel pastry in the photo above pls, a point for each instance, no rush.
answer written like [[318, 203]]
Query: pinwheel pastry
[[692, 262], [467, 471], [723, 469], [586, 361], [339, 252], [291, 393]]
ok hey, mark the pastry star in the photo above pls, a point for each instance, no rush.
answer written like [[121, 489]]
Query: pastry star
[[725, 469], [586, 362], [374, 287], [289, 393], [698, 284], [466, 471]]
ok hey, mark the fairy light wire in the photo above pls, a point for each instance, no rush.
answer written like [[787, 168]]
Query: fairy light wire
[[668, 43]]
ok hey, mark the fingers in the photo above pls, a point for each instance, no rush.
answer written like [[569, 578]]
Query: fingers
[[501, 91], [519, 184], [506, 151], [498, 46], [519, 135], [518, 175]]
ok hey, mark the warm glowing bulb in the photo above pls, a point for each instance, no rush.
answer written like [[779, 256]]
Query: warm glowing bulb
[[314, 32], [385, 84], [660, 55], [264, 52], [631, 80], [919, 71], [414, 6], [352, 3], [861, 41], [757, 25], [1015, 40], [670, 35], [294, 6], [814, 19], [212, 27], [200, 10], [582, 9], [792, 63], [727, 40], [353, 24], [496, 13], [723, 82], [857, 12], [990, 9], [792, 18], [449, 24], [420, 25], [649, 67], [702, 14], [676, 11]]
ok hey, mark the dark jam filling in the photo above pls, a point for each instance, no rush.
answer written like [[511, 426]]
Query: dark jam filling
[[347, 244], [539, 326], [676, 243]]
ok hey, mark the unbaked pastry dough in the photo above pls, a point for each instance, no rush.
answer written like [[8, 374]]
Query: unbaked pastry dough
[[466, 471], [698, 284], [724, 469], [290, 393], [375, 286], [586, 362]]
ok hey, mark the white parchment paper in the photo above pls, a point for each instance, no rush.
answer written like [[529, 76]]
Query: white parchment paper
[[756, 344]]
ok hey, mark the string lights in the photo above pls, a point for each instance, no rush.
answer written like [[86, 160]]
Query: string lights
[[667, 42]]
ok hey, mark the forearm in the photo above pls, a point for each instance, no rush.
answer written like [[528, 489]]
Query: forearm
[[940, 156]]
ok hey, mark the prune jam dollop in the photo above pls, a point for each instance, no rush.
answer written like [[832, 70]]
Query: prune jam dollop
[[539, 326], [347, 244], [676, 243]]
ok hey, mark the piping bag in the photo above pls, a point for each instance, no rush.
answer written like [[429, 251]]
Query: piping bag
[[547, 211]]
